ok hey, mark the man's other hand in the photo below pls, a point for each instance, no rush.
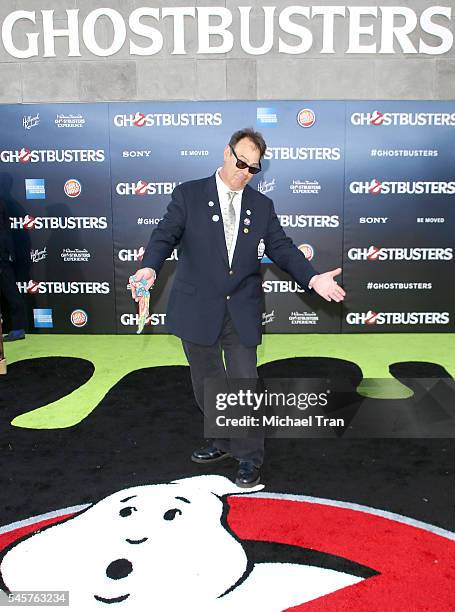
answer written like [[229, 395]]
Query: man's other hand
[[147, 274], [327, 287]]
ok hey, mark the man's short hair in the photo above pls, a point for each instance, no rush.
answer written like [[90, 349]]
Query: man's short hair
[[255, 137]]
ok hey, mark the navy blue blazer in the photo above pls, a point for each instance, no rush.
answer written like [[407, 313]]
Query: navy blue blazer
[[205, 285]]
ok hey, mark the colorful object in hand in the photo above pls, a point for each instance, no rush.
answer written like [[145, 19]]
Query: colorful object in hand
[[144, 300]]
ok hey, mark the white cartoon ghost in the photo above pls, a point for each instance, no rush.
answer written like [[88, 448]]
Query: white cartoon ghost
[[160, 547]]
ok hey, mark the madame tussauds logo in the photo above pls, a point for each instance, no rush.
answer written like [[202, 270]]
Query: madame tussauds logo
[[25, 156], [397, 318]]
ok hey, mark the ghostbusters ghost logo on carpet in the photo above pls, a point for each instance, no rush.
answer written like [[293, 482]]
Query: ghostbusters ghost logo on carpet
[[162, 546], [167, 547]]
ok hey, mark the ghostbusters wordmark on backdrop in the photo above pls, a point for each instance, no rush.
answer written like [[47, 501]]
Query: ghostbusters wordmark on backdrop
[[366, 186]]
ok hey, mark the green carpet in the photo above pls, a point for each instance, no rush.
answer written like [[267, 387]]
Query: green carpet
[[117, 355]]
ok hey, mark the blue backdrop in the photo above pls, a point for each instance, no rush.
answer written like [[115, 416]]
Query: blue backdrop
[[367, 186]]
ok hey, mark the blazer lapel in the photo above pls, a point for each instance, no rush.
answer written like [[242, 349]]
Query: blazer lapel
[[216, 227]]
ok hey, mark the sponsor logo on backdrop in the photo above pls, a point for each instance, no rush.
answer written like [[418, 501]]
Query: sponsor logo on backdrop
[[72, 188], [42, 317], [35, 189], [309, 220], [419, 119], [373, 220], [131, 320], [58, 287], [148, 220], [266, 186], [79, 317], [69, 121], [266, 116], [398, 286], [374, 253], [397, 318], [303, 153], [302, 187], [168, 120], [138, 254], [25, 156], [303, 318], [281, 286], [78, 255], [28, 222], [136, 154], [430, 220], [307, 250], [30, 121], [268, 317], [376, 187], [37, 255], [142, 188], [194, 153], [404, 153], [306, 118]]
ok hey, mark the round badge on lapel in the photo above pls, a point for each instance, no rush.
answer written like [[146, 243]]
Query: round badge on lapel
[[215, 218], [211, 203], [245, 230], [247, 221], [248, 212]]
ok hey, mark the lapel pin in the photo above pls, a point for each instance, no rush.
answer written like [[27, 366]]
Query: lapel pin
[[248, 212], [247, 221], [245, 230], [211, 203], [215, 218], [261, 248]]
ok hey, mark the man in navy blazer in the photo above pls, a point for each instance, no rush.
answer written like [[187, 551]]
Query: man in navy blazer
[[223, 228]]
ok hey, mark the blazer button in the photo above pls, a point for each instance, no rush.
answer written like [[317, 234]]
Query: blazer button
[[228, 297], [231, 272]]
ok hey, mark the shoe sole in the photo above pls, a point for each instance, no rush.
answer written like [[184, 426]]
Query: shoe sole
[[207, 461], [248, 485]]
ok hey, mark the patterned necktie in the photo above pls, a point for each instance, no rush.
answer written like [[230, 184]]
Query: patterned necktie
[[229, 220]]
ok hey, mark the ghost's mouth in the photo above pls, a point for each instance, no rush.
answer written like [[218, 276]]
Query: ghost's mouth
[[111, 600], [141, 541]]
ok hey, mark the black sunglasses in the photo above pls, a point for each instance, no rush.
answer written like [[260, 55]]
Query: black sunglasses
[[242, 165]]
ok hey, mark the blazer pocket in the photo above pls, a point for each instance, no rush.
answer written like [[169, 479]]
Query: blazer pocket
[[184, 287]]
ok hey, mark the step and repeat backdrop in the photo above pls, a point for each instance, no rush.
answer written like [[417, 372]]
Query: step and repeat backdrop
[[365, 186]]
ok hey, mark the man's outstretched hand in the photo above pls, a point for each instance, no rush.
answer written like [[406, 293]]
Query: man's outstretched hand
[[327, 287], [148, 274]]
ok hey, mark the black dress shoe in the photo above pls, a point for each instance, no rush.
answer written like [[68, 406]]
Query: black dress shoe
[[248, 475], [209, 454]]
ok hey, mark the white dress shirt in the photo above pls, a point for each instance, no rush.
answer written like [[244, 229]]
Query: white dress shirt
[[223, 190]]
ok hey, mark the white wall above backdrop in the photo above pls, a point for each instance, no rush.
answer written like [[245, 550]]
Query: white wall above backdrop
[[79, 50]]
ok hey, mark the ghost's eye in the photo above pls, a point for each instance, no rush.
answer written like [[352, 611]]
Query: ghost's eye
[[120, 568], [127, 511], [170, 515]]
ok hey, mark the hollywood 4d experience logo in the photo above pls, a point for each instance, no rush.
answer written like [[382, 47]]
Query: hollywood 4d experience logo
[[390, 562]]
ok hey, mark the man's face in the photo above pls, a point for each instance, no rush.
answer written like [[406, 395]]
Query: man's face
[[234, 177]]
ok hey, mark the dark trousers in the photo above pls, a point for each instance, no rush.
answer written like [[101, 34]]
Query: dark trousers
[[207, 362], [11, 296]]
